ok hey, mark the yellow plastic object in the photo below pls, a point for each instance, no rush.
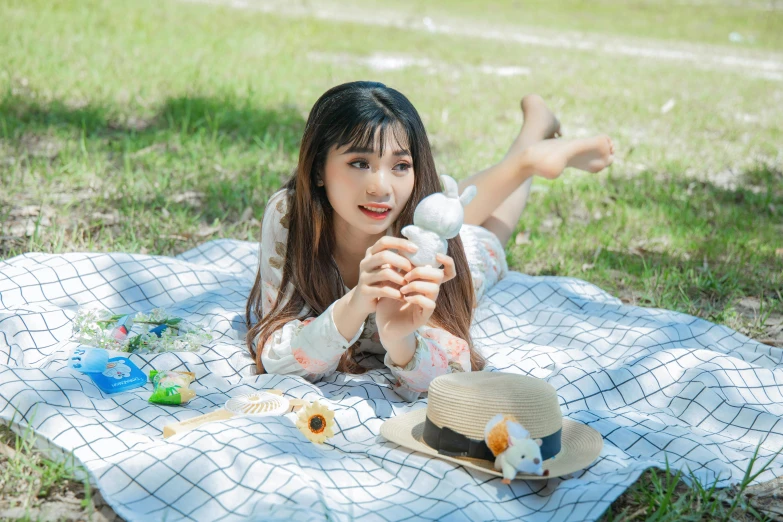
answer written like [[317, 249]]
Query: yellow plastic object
[[191, 424]]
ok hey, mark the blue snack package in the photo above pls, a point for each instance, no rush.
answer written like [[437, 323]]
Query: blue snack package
[[117, 374]]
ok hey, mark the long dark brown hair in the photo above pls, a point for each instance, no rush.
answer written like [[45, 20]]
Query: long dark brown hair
[[351, 113]]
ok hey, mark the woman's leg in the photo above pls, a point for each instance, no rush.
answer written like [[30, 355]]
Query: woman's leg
[[503, 189], [504, 219]]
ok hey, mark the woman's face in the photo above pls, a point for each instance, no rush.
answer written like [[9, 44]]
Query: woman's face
[[366, 190]]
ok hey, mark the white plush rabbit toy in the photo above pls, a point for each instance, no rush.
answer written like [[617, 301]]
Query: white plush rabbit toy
[[437, 217], [514, 449]]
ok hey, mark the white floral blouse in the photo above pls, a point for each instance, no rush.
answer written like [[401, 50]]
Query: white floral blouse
[[312, 348]]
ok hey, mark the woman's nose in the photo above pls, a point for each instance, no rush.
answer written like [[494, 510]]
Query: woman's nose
[[379, 183]]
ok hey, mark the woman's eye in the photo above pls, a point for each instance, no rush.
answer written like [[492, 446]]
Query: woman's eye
[[402, 166], [359, 164]]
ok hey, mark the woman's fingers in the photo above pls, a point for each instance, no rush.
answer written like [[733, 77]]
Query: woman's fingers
[[427, 305], [387, 242], [424, 288], [449, 271], [426, 273], [385, 257], [376, 292], [385, 274]]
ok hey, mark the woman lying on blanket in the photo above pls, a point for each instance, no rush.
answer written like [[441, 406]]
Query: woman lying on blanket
[[330, 237]]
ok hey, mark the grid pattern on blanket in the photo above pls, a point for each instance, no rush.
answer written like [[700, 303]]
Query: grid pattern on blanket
[[656, 384]]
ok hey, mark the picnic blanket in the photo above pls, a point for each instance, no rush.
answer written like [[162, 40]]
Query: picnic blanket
[[656, 384]]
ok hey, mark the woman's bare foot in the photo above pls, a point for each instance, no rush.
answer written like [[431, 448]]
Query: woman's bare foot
[[537, 113], [548, 158], [592, 154], [540, 124]]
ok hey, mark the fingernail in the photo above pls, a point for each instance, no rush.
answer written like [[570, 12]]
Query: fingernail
[[413, 248]]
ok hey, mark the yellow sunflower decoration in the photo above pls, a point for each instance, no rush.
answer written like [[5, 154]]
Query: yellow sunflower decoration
[[316, 422]]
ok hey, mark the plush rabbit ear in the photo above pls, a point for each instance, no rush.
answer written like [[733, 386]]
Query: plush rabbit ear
[[450, 187], [517, 431], [467, 195]]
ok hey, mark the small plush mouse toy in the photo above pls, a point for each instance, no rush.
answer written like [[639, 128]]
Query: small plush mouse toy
[[514, 449], [437, 217]]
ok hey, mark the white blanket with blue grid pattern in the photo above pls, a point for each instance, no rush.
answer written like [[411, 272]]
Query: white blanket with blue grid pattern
[[656, 384]]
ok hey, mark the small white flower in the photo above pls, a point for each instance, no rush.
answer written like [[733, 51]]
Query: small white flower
[[185, 337]]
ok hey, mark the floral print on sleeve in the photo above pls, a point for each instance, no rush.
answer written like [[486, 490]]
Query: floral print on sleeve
[[273, 246], [311, 348], [437, 353]]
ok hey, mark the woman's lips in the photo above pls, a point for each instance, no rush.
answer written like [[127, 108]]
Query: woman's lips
[[378, 216]]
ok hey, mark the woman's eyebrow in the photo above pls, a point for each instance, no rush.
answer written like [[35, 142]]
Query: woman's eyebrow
[[365, 150], [359, 150]]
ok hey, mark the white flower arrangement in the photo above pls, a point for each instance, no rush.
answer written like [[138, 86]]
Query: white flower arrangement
[[94, 327]]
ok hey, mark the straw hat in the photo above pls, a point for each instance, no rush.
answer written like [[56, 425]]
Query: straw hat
[[460, 405]]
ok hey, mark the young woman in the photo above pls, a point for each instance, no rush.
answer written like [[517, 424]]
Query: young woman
[[331, 238]]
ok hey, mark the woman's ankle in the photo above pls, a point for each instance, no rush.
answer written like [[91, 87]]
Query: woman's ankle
[[523, 162]]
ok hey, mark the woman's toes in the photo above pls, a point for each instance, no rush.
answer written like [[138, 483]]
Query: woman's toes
[[592, 154]]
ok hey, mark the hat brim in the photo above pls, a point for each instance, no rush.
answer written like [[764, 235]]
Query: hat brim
[[580, 446]]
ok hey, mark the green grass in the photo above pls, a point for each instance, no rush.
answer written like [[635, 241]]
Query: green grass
[[760, 23], [671, 243], [33, 486], [152, 127], [662, 495]]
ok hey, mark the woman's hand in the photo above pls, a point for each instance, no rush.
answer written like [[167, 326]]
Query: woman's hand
[[381, 274], [397, 319]]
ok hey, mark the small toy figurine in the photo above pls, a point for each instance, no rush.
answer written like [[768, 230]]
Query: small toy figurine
[[513, 448], [437, 217], [123, 326]]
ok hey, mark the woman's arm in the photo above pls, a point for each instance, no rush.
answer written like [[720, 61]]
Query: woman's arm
[[311, 348], [347, 316], [437, 352]]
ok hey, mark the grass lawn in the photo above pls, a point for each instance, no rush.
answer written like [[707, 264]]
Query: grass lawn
[[153, 126]]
